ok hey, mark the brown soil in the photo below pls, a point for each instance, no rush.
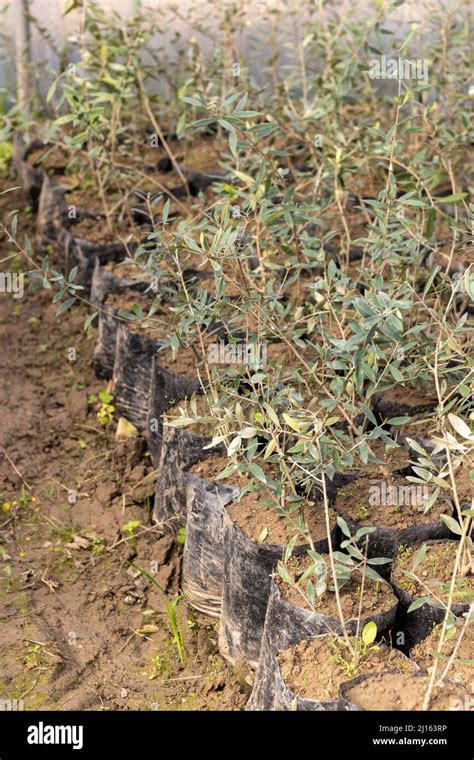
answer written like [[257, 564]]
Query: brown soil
[[464, 484], [404, 691], [64, 566], [155, 326], [377, 597], [434, 571], [421, 426], [202, 154], [272, 525], [189, 360], [81, 193], [125, 271], [97, 231], [127, 299], [391, 459], [201, 409], [51, 159], [410, 396], [314, 669], [457, 263], [461, 671], [210, 468], [355, 501], [254, 513]]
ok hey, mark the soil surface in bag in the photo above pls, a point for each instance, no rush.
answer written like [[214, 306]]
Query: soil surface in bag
[[403, 400], [395, 507], [396, 503], [210, 469], [377, 595], [287, 624], [390, 460], [273, 526], [458, 642], [401, 692], [188, 360], [464, 484], [433, 577], [434, 572], [314, 669]]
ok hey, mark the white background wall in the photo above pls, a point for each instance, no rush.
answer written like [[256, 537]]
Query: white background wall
[[49, 13]]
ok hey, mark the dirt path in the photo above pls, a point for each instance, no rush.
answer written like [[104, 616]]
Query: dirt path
[[72, 614]]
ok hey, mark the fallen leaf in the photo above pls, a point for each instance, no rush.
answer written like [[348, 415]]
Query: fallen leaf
[[125, 429]]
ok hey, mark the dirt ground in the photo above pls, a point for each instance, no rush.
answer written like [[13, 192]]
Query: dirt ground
[[79, 628]]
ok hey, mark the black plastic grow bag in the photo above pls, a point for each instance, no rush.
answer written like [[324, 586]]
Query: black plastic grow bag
[[248, 567], [52, 214], [134, 354], [203, 559], [412, 627], [166, 389], [104, 283], [287, 625], [31, 177], [82, 254], [180, 449]]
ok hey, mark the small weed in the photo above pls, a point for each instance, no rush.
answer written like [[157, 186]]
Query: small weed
[[6, 154], [23, 500], [98, 546], [362, 645], [362, 513], [172, 611], [130, 528], [156, 669], [103, 406]]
